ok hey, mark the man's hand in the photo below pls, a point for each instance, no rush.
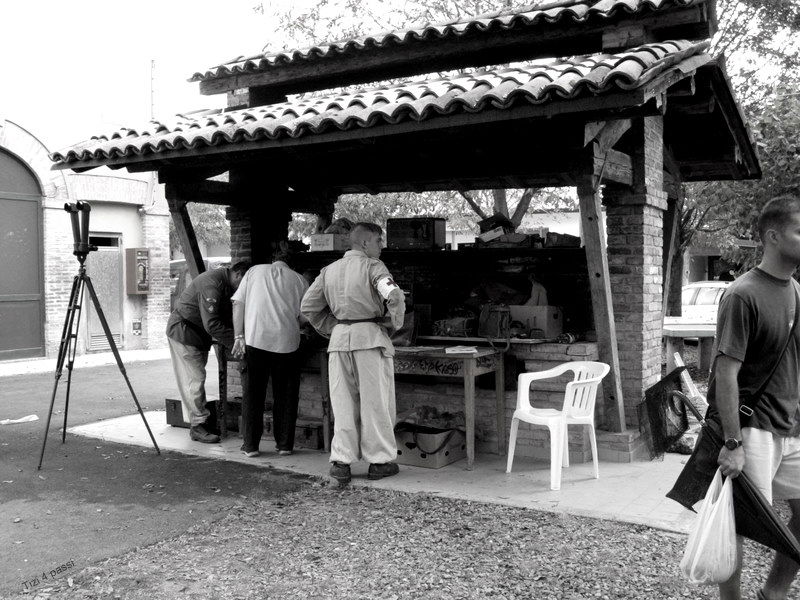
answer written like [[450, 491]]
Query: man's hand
[[731, 461], [238, 348]]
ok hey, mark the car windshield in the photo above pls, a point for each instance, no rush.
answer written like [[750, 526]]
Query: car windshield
[[707, 295]]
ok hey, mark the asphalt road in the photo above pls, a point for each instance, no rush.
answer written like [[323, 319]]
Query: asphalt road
[[93, 500]]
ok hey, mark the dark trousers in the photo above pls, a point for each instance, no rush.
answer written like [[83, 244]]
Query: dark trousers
[[259, 366]]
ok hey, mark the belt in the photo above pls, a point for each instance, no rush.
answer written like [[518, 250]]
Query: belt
[[352, 321]]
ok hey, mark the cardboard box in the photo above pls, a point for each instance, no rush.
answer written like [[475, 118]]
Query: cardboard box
[[545, 318], [411, 453], [175, 414], [326, 242], [492, 234]]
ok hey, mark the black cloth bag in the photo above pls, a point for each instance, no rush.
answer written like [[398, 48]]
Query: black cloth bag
[[755, 517]]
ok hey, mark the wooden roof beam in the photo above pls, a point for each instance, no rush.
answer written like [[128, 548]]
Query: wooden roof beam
[[206, 192]]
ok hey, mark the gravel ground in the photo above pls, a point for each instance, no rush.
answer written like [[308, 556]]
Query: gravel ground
[[322, 542], [325, 542]]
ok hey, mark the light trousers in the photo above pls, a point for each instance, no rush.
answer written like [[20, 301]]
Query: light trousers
[[363, 403], [189, 365]]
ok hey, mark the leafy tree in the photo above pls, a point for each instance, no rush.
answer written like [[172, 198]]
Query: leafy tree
[[210, 226], [722, 212]]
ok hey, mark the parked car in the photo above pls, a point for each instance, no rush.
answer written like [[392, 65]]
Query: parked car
[[179, 276], [700, 300]]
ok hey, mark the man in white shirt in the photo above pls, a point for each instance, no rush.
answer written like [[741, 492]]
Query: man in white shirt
[[266, 321]]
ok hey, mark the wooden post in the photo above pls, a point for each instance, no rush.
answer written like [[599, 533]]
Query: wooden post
[[672, 219], [186, 236], [602, 307]]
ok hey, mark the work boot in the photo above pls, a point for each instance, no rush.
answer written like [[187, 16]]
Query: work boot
[[340, 472], [379, 471], [199, 434]]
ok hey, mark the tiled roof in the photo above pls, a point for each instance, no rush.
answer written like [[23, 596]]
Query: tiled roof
[[538, 82], [578, 12]]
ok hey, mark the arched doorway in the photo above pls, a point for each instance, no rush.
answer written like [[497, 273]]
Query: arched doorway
[[21, 267]]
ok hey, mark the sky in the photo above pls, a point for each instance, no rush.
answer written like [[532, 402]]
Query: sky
[[75, 69]]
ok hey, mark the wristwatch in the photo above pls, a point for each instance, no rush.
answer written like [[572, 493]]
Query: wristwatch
[[732, 443]]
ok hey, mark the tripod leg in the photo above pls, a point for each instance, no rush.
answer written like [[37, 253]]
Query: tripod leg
[[63, 350], [104, 323], [71, 347]]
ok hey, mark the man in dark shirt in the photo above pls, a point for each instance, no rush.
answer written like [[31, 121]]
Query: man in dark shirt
[[755, 320], [202, 313]]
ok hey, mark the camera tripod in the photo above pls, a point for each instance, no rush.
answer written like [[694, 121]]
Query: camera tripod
[[69, 335]]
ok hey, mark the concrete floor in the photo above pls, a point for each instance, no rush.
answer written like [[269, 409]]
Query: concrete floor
[[629, 492]]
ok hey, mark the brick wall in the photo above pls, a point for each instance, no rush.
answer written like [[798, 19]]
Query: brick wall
[[240, 233], [60, 268], [155, 228]]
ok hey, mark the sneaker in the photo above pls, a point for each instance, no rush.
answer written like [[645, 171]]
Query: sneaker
[[199, 434], [379, 471], [285, 452], [340, 472], [251, 453]]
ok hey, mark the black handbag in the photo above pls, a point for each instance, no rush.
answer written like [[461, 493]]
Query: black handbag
[[696, 475]]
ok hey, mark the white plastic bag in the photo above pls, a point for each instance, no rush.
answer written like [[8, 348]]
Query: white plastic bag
[[711, 554]]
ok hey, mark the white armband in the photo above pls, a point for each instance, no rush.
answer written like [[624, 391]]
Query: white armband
[[385, 287]]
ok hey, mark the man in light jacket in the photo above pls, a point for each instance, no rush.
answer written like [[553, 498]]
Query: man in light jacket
[[353, 302]]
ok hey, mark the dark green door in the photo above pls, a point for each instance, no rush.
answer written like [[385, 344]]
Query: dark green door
[[21, 297]]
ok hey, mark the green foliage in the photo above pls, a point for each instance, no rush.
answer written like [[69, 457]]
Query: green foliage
[[726, 211], [210, 226]]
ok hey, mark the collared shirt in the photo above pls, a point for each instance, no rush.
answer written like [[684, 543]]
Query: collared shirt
[[203, 311], [348, 290], [271, 295]]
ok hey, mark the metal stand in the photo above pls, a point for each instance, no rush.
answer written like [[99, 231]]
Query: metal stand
[[69, 335]]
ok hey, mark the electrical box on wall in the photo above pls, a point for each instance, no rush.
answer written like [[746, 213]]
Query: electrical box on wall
[[137, 270]]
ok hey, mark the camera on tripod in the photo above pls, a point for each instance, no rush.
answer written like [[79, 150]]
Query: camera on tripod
[[80, 228], [72, 321]]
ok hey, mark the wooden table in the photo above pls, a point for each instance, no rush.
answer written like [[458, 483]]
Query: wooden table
[[438, 363], [676, 330]]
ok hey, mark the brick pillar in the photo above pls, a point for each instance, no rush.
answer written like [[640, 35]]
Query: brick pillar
[[155, 228], [240, 233], [634, 221]]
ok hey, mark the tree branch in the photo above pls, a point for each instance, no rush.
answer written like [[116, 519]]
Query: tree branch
[[522, 207], [475, 206]]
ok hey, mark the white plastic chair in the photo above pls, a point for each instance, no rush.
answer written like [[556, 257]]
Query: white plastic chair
[[578, 409]]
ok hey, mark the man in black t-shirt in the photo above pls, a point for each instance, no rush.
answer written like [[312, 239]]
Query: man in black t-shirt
[[755, 319]]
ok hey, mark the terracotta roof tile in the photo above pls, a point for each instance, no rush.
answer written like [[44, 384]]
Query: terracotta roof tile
[[538, 82], [499, 20]]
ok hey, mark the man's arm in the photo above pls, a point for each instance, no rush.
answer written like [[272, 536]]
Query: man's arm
[[210, 302], [238, 329], [314, 307], [391, 294], [726, 370]]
